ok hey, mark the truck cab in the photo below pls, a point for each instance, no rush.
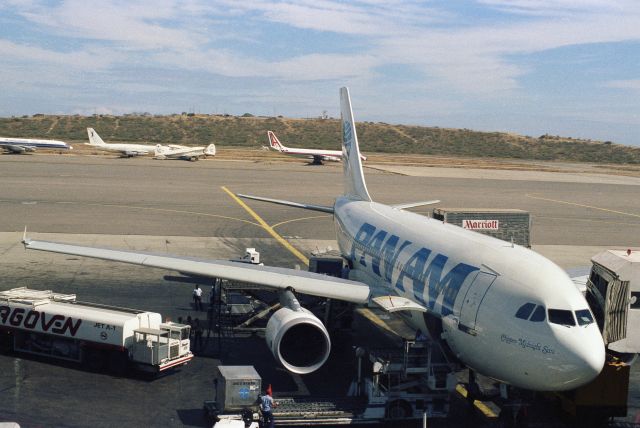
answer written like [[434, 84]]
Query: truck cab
[[162, 348]]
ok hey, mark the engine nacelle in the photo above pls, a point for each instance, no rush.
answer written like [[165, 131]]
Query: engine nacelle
[[297, 338]]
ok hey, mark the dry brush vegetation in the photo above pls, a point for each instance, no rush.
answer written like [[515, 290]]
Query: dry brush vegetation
[[248, 131]]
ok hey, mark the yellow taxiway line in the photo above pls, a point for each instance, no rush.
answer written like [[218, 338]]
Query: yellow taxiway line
[[375, 319], [266, 227], [583, 206], [137, 207], [300, 219], [486, 410]]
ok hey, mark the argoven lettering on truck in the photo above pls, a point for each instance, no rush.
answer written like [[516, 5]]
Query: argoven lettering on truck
[[30, 319]]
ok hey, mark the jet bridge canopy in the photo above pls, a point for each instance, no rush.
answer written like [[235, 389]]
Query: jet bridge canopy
[[613, 292]]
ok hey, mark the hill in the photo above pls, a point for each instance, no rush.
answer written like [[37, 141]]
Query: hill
[[249, 131]]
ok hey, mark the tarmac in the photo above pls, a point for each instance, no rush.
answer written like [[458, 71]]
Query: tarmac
[[181, 208]]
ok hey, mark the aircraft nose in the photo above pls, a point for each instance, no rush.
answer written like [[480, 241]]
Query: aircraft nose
[[593, 355], [588, 356]]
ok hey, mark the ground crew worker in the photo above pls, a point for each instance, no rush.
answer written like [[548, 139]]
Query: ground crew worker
[[420, 336], [198, 334], [266, 407], [197, 297], [212, 296]]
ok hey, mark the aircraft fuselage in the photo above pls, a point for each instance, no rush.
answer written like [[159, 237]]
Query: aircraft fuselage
[[473, 285]]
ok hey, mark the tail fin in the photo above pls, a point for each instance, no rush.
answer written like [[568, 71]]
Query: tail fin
[[210, 150], [354, 184], [94, 138], [274, 143]]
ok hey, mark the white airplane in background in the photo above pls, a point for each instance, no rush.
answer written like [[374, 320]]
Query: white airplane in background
[[22, 145], [317, 155], [126, 150], [184, 152], [500, 309], [159, 151]]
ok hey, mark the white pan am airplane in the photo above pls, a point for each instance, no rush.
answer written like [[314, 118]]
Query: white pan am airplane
[[22, 145], [318, 156], [500, 309]]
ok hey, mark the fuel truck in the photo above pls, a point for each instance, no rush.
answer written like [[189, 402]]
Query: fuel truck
[[101, 337]]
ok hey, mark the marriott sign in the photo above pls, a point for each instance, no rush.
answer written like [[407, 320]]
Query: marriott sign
[[480, 224]]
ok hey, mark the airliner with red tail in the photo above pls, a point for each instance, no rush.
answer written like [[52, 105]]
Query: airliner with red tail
[[317, 155]]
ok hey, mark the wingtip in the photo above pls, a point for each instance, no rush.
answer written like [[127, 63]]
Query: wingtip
[[25, 240]]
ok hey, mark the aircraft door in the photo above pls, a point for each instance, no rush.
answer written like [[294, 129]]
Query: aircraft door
[[472, 300]]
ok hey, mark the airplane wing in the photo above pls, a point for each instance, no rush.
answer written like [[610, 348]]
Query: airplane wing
[[17, 149], [312, 207], [280, 278], [331, 158], [131, 153], [414, 204]]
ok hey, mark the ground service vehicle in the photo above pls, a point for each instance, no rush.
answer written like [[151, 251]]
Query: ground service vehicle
[[55, 325]]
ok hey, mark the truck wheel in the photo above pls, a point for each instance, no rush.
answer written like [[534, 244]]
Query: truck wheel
[[93, 360], [398, 409], [6, 342], [247, 416], [118, 363]]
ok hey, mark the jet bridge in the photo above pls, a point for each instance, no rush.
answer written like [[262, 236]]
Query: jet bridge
[[613, 292]]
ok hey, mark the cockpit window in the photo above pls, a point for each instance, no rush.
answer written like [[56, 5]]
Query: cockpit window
[[538, 314], [562, 317], [584, 317], [525, 310]]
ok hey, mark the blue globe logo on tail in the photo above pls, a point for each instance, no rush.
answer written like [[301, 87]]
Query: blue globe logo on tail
[[347, 135]]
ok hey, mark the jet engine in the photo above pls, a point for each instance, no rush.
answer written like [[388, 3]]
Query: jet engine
[[296, 337]]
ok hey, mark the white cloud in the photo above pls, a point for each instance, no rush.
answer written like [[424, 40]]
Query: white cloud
[[90, 58], [468, 58], [557, 8], [299, 68], [141, 25], [321, 67], [631, 84]]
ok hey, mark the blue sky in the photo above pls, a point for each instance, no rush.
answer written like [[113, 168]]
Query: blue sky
[[560, 67]]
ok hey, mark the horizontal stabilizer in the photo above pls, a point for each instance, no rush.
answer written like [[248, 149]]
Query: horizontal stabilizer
[[414, 204], [312, 207], [397, 303]]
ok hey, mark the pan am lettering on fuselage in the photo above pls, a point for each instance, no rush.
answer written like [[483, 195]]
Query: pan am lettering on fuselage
[[426, 280]]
